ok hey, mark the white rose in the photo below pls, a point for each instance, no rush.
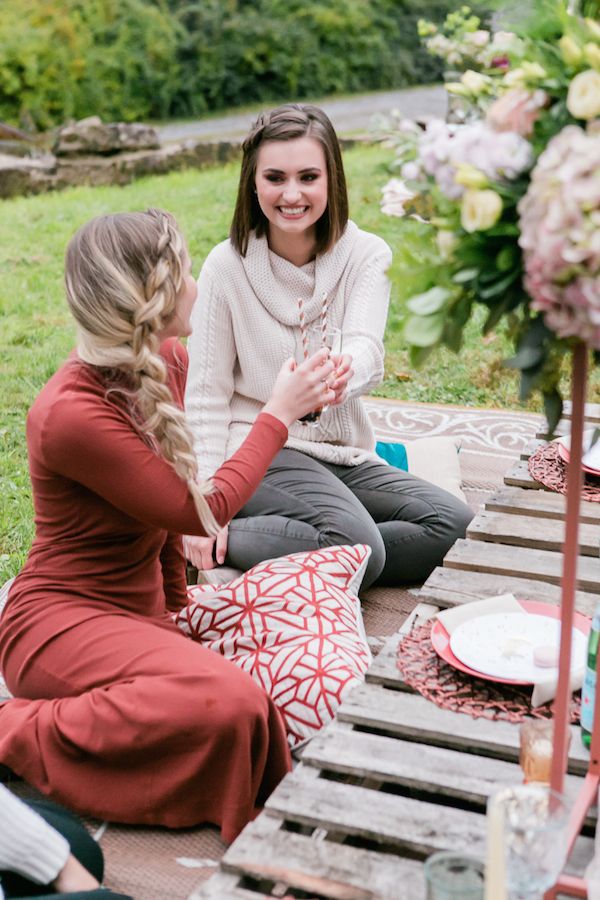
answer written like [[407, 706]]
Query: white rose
[[395, 195], [480, 210], [477, 38], [591, 53], [475, 82], [583, 99], [446, 242]]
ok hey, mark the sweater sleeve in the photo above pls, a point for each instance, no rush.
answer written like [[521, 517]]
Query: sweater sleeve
[[88, 440], [28, 845], [364, 322], [210, 382]]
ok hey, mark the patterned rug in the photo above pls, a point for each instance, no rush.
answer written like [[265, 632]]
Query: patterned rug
[[152, 863]]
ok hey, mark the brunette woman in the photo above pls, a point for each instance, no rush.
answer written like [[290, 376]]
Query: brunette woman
[[292, 257]]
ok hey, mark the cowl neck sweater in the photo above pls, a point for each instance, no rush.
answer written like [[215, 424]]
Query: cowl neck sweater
[[246, 323], [274, 278]]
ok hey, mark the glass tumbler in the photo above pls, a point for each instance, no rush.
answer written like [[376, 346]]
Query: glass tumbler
[[454, 876]]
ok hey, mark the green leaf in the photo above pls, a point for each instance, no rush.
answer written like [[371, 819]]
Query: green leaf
[[553, 407], [429, 302], [526, 358], [453, 335], [465, 275], [510, 301], [418, 355], [504, 229], [499, 286], [507, 258], [529, 381], [424, 331]]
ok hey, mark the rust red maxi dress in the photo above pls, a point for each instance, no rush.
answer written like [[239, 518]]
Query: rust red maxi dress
[[117, 713]]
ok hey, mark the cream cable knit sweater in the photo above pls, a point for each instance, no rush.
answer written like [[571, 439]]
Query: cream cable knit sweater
[[28, 845], [246, 324]]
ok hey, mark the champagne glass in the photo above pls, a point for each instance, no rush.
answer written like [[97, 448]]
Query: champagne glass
[[315, 338], [535, 825]]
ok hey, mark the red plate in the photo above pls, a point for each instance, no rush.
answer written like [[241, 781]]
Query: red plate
[[441, 639], [565, 455]]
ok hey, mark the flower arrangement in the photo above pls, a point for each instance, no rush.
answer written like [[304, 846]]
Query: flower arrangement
[[463, 44], [514, 198]]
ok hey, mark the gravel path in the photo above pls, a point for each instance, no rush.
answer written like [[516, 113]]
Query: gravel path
[[349, 115]]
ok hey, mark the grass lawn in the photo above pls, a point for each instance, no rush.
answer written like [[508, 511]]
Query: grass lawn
[[37, 333]]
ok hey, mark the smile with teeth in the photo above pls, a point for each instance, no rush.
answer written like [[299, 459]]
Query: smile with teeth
[[292, 210]]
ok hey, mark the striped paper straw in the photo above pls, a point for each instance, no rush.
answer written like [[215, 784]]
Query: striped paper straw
[[324, 305], [303, 327]]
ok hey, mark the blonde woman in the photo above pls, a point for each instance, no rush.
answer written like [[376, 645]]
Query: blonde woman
[[118, 714]]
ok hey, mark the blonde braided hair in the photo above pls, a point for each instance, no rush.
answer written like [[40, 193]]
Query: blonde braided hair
[[123, 273]]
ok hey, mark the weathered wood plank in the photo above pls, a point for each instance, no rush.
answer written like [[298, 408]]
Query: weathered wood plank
[[529, 531], [406, 824], [452, 587], [411, 826], [545, 504], [224, 886], [383, 669], [428, 770], [592, 411], [518, 476], [410, 716], [521, 562], [342, 872], [531, 447]]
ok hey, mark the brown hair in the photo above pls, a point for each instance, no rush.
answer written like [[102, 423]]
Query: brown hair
[[123, 273], [284, 124]]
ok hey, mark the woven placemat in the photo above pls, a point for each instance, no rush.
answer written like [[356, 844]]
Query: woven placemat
[[449, 688], [547, 466]]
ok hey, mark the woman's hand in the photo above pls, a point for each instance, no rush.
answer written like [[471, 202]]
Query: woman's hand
[[301, 388], [202, 551], [74, 877], [341, 376]]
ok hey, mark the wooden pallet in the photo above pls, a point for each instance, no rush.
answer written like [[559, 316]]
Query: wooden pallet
[[390, 781], [395, 778]]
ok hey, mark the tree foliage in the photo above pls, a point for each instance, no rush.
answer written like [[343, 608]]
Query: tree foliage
[[149, 59]]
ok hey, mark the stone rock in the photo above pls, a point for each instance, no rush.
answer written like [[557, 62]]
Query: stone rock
[[92, 136], [26, 176]]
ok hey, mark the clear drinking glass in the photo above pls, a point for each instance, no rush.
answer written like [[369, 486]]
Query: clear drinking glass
[[317, 337], [454, 876], [535, 834]]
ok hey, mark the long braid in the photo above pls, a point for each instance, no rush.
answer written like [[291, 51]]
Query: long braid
[[120, 306], [162, 418]]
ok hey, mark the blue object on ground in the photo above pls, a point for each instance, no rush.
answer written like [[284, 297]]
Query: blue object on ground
[[395, 454]]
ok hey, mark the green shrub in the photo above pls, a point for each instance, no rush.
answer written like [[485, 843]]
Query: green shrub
[[145, 59], [74, 58]]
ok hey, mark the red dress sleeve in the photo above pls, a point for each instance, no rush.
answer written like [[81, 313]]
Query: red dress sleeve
[[90, 440]]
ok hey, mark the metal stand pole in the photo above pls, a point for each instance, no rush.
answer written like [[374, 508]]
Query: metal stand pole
[[575, 887]]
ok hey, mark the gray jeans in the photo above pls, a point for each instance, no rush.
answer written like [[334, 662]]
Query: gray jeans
[[305, 504]]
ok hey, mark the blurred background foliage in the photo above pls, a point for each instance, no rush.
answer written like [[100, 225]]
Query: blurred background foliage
[[159, 59]]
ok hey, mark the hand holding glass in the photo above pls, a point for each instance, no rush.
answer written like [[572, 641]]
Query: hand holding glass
[[314, 339]]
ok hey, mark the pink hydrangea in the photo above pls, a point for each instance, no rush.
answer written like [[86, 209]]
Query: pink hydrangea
[[499, 155], [560, 235]]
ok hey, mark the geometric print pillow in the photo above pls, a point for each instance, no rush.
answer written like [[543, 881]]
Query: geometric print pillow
[[295, 625]]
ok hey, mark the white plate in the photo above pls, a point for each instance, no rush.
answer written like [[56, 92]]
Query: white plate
[[502, 644], [591, 456]]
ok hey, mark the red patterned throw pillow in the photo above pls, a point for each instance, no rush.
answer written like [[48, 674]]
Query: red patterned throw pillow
[[294, 624]]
